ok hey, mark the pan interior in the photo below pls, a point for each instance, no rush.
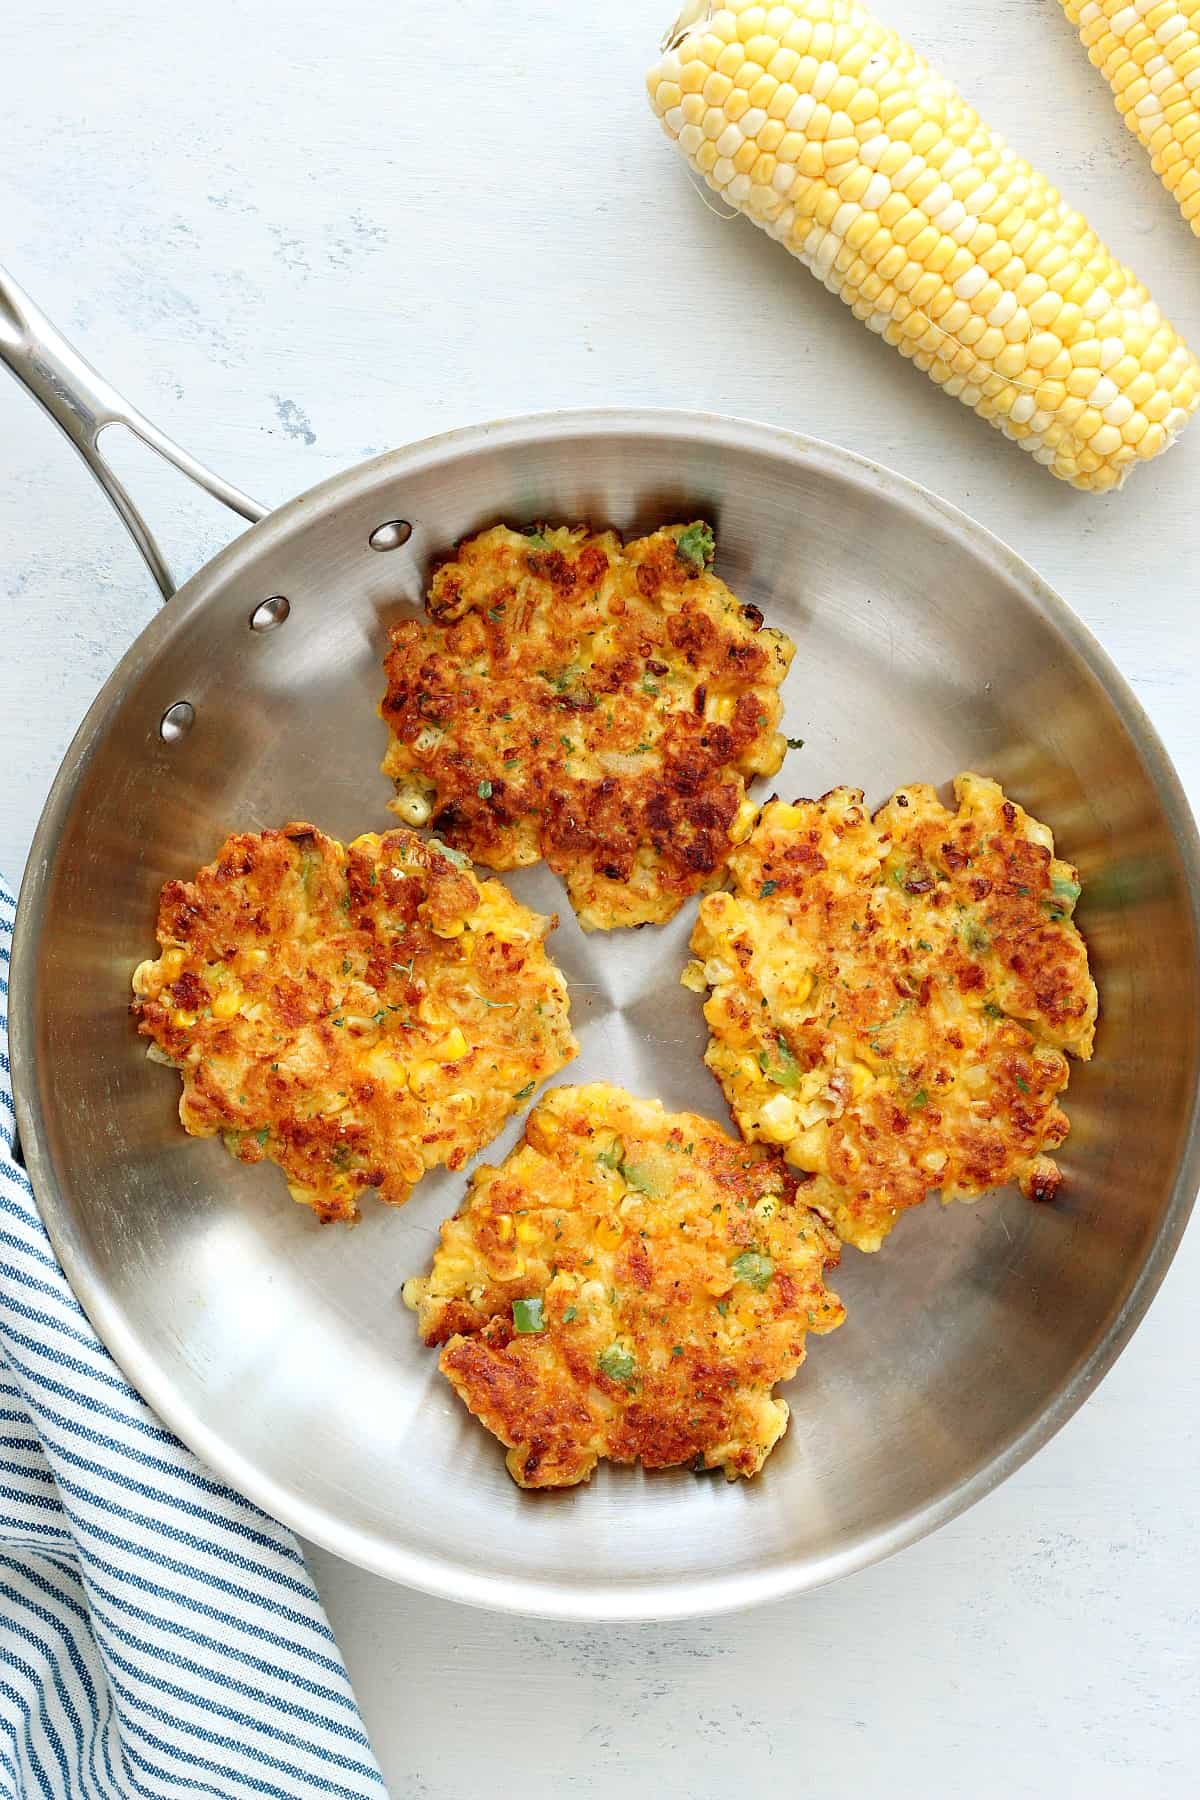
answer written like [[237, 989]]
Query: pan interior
[[281, 1351]]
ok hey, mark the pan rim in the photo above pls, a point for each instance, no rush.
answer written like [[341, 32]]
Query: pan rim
[[442, 1577]]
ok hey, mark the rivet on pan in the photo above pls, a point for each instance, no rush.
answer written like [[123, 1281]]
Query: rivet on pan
[[391, 535], [270, 613], [177, 721]]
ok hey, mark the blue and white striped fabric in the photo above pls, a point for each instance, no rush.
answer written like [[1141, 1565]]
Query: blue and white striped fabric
[[158, 1634]]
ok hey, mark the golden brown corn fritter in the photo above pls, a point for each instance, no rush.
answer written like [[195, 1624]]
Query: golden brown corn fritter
[[892, 997], [596, 704], [629, 1284], [356, 1015]]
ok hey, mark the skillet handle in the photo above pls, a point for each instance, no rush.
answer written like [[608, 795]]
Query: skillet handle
[[83, 405]]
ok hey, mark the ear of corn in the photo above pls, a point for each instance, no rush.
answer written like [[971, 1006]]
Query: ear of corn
[[1149, 53], [829, 131]]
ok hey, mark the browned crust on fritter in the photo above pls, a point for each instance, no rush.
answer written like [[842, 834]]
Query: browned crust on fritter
[[309, 993], [595, 704], [658, 1346], [892, 998]]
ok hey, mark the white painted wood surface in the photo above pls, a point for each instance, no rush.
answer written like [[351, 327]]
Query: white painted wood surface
[[299, 233]]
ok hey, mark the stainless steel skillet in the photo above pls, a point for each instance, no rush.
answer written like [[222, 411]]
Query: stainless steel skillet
[[281, 1352]]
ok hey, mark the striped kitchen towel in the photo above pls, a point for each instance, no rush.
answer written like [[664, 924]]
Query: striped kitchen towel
[[158, 1634]]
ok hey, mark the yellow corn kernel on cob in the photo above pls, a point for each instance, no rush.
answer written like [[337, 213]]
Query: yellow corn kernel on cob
[[1149, 53], [829, 131]]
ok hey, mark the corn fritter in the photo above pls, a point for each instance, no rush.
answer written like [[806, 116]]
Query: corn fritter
[[629, 1284], [893, 997], [355, 1014], [596, 704]]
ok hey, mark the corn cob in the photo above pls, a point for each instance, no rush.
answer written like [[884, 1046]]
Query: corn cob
[[828, 131], [1149, 53]]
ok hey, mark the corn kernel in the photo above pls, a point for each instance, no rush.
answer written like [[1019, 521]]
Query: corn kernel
[[693, 978], [424, 1076], [800, 988], [450, 928], [720, 1284], [861, 1078], [543, 1129], [779, 1122], [413, 806], [743, 821]]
